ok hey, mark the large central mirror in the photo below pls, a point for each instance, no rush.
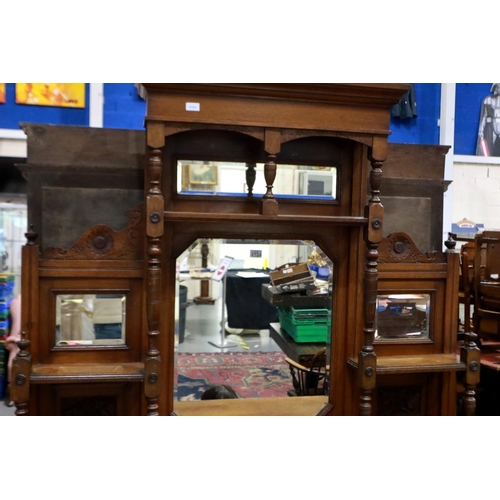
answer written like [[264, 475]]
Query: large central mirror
[[261, 329]]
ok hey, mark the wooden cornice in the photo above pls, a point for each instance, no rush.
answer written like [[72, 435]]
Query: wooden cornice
[[365, 94]]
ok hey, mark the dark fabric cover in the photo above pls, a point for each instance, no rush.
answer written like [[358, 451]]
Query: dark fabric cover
[[245, 306], [407, 106]]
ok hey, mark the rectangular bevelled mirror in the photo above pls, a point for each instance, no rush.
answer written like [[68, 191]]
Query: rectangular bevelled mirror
[[90, 319], [402, 316], [230, 178]]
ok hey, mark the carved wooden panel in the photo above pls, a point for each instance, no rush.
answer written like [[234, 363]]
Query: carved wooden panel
[[95, 399], [399, 400], [102, 243], [400, 248], [100, 406], [68, 211]]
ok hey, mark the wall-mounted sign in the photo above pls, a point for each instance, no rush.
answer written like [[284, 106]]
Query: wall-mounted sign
[[466, 229], [2, 93], [66, 95]]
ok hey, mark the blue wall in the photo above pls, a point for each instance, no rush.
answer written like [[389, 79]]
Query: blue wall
[[11, 113], [469, 97], [422, 129], [123, 108]]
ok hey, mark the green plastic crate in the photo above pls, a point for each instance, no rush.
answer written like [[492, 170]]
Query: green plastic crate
[[305, 325]]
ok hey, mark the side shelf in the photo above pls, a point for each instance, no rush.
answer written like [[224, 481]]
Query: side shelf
[[430, 363], [87, 372]]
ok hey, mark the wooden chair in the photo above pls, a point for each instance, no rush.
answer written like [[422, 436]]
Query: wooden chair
[[487, 285], [309, 381], [465, 294]]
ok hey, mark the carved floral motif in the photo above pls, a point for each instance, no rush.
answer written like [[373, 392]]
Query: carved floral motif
[[101, 242], [399, 247]]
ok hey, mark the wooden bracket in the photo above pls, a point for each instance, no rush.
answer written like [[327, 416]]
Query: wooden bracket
[[154, 211], [272, 142], [375, 215], [155, 134], [367, 368]]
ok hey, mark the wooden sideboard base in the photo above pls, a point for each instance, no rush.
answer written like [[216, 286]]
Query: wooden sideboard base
[[271, 407]]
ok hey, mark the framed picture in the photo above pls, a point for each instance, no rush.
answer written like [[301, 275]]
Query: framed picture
[[203, 174], [66, 95]]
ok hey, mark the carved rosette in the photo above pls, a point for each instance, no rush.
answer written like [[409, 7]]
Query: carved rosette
[[399, 247], [100, 241]]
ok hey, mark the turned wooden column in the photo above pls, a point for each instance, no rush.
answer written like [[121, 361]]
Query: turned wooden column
[[374, 212], [22, 363], [470, 354], [272, 147], [20, 383], [250, 175], [204, 297], [154, 231]]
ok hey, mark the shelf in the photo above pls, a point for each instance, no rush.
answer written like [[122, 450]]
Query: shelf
[[202, 216], [426, 363], [87, 372], [300, 352], [278, 299], [277, 407]]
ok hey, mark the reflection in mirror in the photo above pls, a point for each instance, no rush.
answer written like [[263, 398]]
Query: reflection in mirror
[[402, 316], [276, 329], [88, 319], [230, 178]]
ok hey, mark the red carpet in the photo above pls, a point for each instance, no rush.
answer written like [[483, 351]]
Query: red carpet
[[251, 375]]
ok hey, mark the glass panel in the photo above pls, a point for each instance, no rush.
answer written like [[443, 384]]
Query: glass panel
[[260, 327], [86, 319], [229, 178], [13, 226], [402, 316]]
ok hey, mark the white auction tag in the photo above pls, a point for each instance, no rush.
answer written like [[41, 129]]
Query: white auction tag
[[192, 106]]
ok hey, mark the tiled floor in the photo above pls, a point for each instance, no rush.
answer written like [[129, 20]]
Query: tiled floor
[[5, 411], [203, 326]]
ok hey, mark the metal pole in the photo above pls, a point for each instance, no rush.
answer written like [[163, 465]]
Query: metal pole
[[223, 342]]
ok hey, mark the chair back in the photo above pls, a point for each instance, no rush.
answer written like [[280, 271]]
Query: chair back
[[487, 284], [467, 249], [309, 381], [467, 269]]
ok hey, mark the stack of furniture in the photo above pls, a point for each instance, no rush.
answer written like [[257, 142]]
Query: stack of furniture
[[480, 280], [487, 285]]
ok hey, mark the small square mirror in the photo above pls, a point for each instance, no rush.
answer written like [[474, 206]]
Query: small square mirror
[[90, 319], [402, 316]]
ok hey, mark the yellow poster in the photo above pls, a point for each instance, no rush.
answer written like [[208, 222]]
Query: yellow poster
[[67, 95], [2, 93]]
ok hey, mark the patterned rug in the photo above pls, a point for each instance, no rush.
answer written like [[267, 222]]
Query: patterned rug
[[251, 375]]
